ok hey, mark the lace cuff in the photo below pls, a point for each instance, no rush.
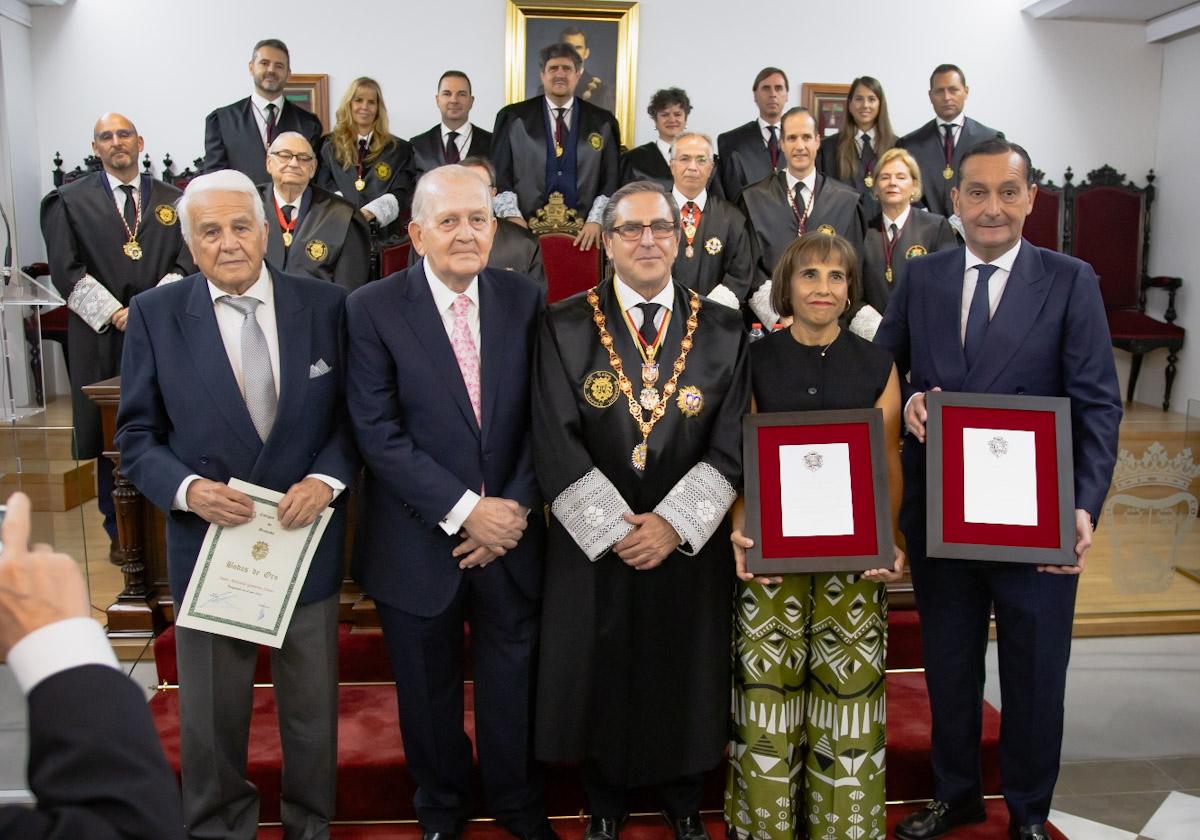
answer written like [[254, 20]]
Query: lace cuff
[[865, 322], [590, 510], [597, 211], [385, 209], [760, 303], [169, 278], [92, 302], [722, 295], [504, 205], [696, 506]]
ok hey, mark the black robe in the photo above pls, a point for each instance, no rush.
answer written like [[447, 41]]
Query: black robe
[[429, 153], [84, 235], [519, 154], [926, 145], [331, 240], [743, 159], [646, 163], [232, 139], [634, 671], [827, 164], [513, 249], [391, 171], [923, 229], [722, 229]]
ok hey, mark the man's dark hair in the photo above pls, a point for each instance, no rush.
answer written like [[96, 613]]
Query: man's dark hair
[[482, 163], [791, 112], [667, 97], [947, 68], [572, 31], [561, 50], [455, 74], [273, 43], [608, 219], [997, 146], [770, 71]]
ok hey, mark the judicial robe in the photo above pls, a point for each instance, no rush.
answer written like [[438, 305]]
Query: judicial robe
[[84, 235], [646, 163], [926, 145], [390, 172], [513, 249], [429, 153], [522, 141], [742, 159], [634, 670], [922, 230], [827, 164], [232, 139], [331, 240], [723, 230]]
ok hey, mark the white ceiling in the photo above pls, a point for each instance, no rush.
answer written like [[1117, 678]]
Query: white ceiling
[[1139, 11]]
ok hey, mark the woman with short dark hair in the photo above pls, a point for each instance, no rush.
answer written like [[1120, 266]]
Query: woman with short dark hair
[[669, 108]]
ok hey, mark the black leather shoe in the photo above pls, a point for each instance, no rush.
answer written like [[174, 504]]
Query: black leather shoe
[[439, 835], [542, 832], [936, 818], [1033, 831], [690, 827], [602, 828]]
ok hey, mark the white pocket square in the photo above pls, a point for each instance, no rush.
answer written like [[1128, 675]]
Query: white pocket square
[[319, 369]]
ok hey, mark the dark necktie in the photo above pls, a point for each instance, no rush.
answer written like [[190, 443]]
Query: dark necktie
[[801, 209], [978, 315], [271, 110], [648, 330], [773, 146], [452, 155], [868, 154], [130, 210], [892, 231], [560, 127], [948, 142], [362, 151]]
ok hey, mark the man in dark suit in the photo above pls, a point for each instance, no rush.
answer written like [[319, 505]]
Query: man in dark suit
[[237, 136], [311, 231], [100, 774], [999, 316], [109, 235], [455, 137], [557, 143], [714, 254], [783, 205], [438, 390], [940, 145], [751, 152], [237, 371]]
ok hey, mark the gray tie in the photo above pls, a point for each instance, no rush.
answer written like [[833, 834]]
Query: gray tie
[[259, 387]]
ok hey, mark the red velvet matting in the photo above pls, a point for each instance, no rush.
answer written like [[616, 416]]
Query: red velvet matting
[[904, 639]]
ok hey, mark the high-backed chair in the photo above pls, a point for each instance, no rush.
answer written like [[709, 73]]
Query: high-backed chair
[[1110, 229], [394, 258], [568, 270], [1044, 227]]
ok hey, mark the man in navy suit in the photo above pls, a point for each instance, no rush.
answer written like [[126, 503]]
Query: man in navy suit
[[450, 521], [237, 136], [237, 371], [999, 316]]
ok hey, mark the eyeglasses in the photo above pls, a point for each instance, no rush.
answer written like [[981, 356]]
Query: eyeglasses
[[287, 157], [659, 229], [699, 160]]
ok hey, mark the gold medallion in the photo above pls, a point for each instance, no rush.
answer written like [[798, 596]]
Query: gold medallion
[[596, 141], [360, 184], [948, 172], [638, 457], [916, 251], [558, 150], [827, 230], [132, 249], [383, 171], [689, 230], [600, 389], [648, 398], [649, 373], [690, 401], [287, 239], [166, 214], [689, 252], [316, 250], [713, 246], [887, 274], [868, 182]]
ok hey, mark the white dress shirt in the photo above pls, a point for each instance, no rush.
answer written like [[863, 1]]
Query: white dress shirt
[[681, 199], [282, 202], [58, 647], [858, 140], [996, 283], [629, 300], [260, 113], [810, 186], [568, 112], [664, 149], [463, 140], [957, 122], [119, 197], [764, 128], [899, 221]]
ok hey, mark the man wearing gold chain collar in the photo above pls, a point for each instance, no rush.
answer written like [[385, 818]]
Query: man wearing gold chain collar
[[638, 393]]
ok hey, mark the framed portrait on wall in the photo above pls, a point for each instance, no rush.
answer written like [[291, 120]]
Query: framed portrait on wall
[[827, 103], [311, 92], [603, 32]]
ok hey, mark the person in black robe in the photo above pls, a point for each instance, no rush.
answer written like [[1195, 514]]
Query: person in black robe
[[236, 136], [714, 254], [866, 133], [365, 164], [634, 678], [109, 235], [776, 214], [751, 152], [670, 109], [455, 138], [311, 231]]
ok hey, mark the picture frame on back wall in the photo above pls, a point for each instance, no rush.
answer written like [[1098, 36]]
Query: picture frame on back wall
[[605, 32], [827, 101], [311, 92]]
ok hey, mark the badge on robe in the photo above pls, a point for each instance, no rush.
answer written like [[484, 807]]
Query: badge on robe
[[827, 230], [916, 251], [713, 246], [316, 250], [596, 141], [690, 401], [383, 171], [166, 214], [600, 389]]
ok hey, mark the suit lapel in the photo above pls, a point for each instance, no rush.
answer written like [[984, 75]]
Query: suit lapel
[[943, 315], [491, 337], [293, 323], [1024, 294], [250, 124], [477, 147]]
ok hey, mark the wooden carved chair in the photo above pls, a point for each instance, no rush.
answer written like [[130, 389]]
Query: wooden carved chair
[[1110, 228], [568, 270], [1045, 226]]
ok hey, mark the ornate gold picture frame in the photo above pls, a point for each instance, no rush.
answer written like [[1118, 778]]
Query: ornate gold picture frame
[[311, 92]]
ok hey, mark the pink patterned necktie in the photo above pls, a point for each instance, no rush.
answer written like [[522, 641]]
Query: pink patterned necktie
[[465, 352]]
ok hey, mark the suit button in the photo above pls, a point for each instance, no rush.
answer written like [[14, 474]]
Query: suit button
[[812, 390], [203, 460]]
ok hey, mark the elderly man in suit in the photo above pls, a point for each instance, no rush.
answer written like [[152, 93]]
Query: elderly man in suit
[[455, 138], [941, 144], [237, 371], [752, 151], [438, 390], [999, 316], [237, 136]]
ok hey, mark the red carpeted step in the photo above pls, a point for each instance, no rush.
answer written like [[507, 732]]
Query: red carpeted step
[[904, 639]]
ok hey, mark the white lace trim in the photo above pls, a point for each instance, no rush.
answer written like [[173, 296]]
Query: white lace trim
[[865, 322], [760, 303], [724, 296], [169, 278], [696, 506], [504, 205], [92, 302], [385, 209], [597, 211], [590, 510]]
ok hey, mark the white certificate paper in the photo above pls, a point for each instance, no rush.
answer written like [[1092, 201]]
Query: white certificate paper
[[814, 484], [248, 577], [999, 477]]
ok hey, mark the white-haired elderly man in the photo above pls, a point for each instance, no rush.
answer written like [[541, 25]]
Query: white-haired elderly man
[[237, 372], [438, 388]]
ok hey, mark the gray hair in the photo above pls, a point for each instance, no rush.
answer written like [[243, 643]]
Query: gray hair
[[287, 135], [608, 219], [431, 183], [690, 134], [226, 180]]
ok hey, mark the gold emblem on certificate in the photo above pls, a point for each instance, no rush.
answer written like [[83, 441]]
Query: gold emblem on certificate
[[596, 141], [132, 249], [260, 550], [287, 239], [713, 246], [948, 172], [166, 214], [383, 171], [827, 230], [316, 250], [600, 389], [916, 251], [360, 184], [868, 182], [690, 401]]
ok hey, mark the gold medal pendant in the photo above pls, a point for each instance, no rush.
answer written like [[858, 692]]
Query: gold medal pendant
[[868, 182], [648, 398], [887, 274], [689, 231], [948, 172], [360, 185], [287, 239], [132, 249], [558, 150], [689, 252], [638, 458], [649, 373]]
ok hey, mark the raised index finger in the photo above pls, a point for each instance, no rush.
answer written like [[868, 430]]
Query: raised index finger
[[16, 527]]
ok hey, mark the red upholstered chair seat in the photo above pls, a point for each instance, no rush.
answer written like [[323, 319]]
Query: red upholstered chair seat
[[394, 258], [1131, 325], [568, 270]]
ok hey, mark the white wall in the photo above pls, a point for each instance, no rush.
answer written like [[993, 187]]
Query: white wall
[[21, 183]]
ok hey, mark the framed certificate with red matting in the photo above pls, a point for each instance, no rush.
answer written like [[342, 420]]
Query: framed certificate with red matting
[[999, 478], [816, 492]]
